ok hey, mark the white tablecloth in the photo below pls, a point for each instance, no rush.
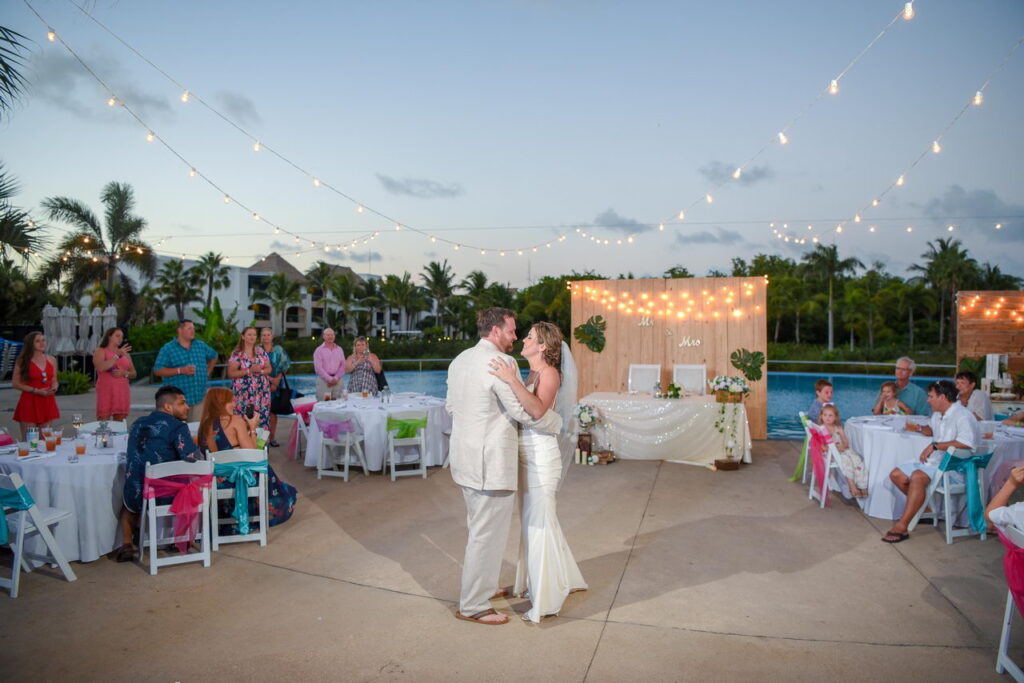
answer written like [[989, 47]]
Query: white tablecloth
[[371, 421], [92, 488], [885, 444], [639, 427]]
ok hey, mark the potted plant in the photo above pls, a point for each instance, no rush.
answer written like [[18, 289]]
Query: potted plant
[[729, 389]]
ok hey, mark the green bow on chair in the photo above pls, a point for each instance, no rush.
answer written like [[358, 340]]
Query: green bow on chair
[[18, 499], [242, 475], [969, 466], [406, 428]]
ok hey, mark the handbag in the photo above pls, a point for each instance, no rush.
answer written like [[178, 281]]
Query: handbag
[[281, 401]]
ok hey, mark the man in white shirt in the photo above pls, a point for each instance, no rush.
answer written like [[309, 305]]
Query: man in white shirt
[[951, 425]]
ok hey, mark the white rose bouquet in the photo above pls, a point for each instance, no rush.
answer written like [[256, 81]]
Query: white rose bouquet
[[734, 385], [587, 416]]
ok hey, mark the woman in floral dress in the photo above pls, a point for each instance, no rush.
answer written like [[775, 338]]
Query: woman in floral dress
[[249, 367]]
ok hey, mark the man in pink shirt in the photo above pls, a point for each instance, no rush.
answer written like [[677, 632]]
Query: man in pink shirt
[[329, 365]]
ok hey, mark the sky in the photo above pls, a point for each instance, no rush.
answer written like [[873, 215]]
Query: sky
[[504, 125]]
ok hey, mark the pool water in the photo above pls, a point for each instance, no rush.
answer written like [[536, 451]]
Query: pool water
[[788, 393]]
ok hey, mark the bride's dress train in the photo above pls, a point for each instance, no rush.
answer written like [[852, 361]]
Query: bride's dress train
[[546, 567]]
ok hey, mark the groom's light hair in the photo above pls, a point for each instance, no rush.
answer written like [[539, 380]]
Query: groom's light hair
[[491, 317]]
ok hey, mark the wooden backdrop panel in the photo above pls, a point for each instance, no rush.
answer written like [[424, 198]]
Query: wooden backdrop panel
[[675, 321], [991, 322]]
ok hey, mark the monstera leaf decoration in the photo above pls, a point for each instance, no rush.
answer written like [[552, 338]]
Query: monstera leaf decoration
[[748, 362], [591, 333]]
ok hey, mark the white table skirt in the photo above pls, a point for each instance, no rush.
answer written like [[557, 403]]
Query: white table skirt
[[92, 488], [371, 421], [639, 427], [885, 445]]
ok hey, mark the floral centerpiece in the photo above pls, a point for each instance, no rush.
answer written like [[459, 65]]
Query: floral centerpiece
[[729, 389], [586, 416]]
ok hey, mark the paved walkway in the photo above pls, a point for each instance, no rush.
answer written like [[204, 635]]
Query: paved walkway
[[694, 575]]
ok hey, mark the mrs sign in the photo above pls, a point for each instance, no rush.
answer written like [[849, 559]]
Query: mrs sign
[[690, 321]]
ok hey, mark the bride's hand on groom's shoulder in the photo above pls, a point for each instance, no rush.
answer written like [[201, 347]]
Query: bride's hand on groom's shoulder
[[503, 369]]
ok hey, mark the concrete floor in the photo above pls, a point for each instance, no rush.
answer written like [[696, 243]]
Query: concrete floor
[[694, 575]]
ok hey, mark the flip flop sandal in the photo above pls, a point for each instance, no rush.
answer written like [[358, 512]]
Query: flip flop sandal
[[500, 593], [478, 618], [895, 538]]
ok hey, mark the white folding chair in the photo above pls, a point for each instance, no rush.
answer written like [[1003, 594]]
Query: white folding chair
[[193, 429], [447, 447], [151, 536], [21, 524], [340, 451], [420, 441], [643, 377], [303, 434], [945, 484], [816, 488], [1003, 661], [691, 378], [259, 491]]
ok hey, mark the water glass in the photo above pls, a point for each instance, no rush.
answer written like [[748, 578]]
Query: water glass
[[58, 434], [23, 449]]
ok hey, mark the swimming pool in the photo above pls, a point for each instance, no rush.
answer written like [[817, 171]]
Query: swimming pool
[[788, 393]]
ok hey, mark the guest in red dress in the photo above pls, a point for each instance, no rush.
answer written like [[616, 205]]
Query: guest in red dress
[[35, 376], [114, 369]]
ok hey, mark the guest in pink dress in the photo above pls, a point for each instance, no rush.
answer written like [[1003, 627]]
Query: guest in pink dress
[[114, 369]]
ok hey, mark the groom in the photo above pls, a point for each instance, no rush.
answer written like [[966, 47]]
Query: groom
[[484, 453]]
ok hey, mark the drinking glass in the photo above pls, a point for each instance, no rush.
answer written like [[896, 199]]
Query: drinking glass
[[23, 449], [51, 442], [59, 435], [79, 446]]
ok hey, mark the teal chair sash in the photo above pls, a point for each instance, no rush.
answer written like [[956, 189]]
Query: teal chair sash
[[18, 499], [969, 466], [242, 475], [406, 428]]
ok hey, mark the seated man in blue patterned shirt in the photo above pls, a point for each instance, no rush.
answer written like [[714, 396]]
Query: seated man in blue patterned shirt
[[161, 436], [186, 362]]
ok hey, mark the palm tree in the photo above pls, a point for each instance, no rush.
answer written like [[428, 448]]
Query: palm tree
[[280, 292], [148, 308], [12, 83], [319, 277], [403, 294], [93, 253], [991, 278], [210, 271], [438, 279], [177, 286], [914, 295], [947, 267], [863, 300], [369, 294], [18, 232], [825, 265], [343, 291], [475, 286]]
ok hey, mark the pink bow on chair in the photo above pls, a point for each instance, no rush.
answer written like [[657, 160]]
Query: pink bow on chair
[[332, 430], [188, 496], [816, 449], [1013, 567]]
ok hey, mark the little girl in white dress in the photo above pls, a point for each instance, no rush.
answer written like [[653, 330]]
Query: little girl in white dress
[[850, 462]]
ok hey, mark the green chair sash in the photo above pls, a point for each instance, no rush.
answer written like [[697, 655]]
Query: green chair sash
[[798, 473], [242, 475], [406, 428], [969, 466], [18, 499]]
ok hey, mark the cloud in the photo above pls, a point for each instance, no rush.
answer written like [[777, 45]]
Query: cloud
[[719, 236], [278, 245], [611, 219], [985, 204], [60, 80], [238, 107], [719, 172], [423, 188], [356, 256]]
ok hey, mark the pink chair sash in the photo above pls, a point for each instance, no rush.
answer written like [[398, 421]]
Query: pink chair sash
[[186, 490], [302, 411], [1013, 567], [334, 429], [816, 449]]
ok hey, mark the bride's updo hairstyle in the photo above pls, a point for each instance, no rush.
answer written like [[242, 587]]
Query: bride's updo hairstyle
[[551, 337]]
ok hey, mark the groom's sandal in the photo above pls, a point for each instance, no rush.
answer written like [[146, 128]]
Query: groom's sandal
[[479, 617], [501, 593]]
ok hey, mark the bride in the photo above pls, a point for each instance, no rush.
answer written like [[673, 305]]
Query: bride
[[546, 568]]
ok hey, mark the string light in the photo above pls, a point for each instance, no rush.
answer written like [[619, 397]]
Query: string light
[[184, 96], [50, 35], [709, 199], [150, 136], [899, 181], [192, 172], [833, 87], [936, 147], [111, 102], [682, 215], [783, 140], [908, 11], [737, 173], [978, 99], [316, 182]]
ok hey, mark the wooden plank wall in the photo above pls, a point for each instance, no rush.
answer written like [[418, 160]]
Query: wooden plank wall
[[673, 321], [991, 322]]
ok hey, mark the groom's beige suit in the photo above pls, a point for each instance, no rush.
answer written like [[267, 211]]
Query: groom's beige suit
[[484, 453]]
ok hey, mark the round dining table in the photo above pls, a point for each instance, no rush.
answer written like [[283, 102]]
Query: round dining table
[[90, 488], [885, 443]]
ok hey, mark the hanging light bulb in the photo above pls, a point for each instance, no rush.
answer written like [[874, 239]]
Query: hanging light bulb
[[737, 173], [856, 218], [783, 140], [682, 215], [908, 11], [255, 216], [833, 87], [397, 226], [899, 181], [839, 228], [227, 199], [112, 101], [871, 229], [50, 35], [999, 226], [978, 99], [661, 227], [936, 147], [874, 202], [359, 208], [257, 146], [184, 96], [949, 228], [910, 228], [192, 173], [150, 137], [277, 231], [316, 182], [709, 199]]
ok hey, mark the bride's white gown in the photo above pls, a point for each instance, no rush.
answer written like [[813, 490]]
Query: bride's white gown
[[546, 567]]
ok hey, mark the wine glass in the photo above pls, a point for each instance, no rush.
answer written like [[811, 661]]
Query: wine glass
[[76, 422]]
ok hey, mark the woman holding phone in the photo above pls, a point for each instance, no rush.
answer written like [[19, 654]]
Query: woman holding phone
[[114, 369], [249, 368], [362, 368]]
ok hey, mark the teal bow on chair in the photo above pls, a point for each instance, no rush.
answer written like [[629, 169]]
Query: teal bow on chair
[[18, 499], [406, 428], [242, 475], [969, 466]]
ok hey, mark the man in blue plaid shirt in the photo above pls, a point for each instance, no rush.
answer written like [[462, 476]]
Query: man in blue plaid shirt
[[186, 362]]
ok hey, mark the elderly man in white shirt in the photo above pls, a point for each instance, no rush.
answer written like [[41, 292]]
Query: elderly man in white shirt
[[951, 425]]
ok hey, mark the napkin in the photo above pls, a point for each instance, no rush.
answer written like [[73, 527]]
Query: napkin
[[1014, 431]]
